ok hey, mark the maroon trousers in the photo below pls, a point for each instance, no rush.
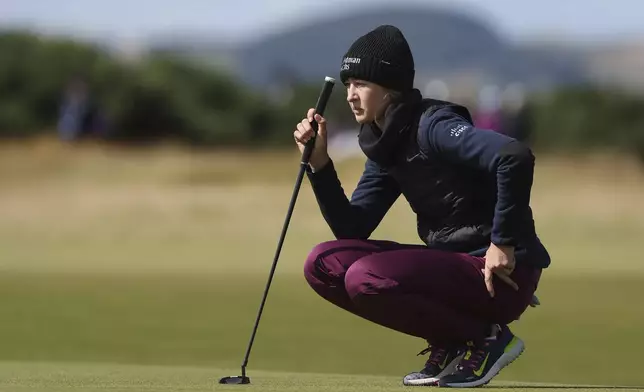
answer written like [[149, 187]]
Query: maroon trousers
[[435, 295]]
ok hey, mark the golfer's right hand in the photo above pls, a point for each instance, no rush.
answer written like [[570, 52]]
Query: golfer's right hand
[[304, 132]]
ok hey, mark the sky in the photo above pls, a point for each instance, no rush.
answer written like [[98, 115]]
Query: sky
[[569, 20]]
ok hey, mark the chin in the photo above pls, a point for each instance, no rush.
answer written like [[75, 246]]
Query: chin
[[361, 119]]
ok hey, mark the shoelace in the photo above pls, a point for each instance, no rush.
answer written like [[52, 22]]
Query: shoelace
[[436, 355], [473, 356]]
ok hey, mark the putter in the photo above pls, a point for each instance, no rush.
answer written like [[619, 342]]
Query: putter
[[306, 155]]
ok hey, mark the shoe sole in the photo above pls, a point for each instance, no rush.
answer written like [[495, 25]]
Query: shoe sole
[[503, 361], [433, 381]]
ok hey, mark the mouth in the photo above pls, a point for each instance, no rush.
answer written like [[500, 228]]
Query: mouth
[[357, 111]]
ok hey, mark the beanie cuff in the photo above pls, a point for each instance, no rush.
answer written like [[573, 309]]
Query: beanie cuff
[[377, 71]]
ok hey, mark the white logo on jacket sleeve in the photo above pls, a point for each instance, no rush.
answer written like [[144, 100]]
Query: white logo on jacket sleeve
[[457, 130]]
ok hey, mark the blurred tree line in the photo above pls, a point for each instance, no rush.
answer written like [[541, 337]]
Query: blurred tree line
[[587, 119], [157, 97], [165, 97]]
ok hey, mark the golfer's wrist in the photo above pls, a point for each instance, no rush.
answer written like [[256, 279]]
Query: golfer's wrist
[[319, 163]]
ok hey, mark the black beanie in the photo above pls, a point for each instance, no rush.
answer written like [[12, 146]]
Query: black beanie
[[381, 56]]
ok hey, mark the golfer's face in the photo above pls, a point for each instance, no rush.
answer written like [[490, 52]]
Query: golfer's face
[[366, 99]]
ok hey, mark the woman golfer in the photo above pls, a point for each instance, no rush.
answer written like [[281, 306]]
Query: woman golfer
[[470, 189]]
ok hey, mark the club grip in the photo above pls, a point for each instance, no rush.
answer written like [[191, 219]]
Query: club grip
[[320, 106]]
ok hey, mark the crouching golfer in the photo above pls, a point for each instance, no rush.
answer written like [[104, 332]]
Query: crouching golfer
[[470, 189]]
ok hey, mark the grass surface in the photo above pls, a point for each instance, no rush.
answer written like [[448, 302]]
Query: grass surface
[[44, 377], [128, 270], [206, 320]]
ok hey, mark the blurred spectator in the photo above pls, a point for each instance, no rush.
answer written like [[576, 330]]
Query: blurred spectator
[[515, 114], [437, 89], [487, 114], [79, 116]]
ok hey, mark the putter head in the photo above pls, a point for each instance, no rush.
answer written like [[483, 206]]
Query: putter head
[[235, 380]]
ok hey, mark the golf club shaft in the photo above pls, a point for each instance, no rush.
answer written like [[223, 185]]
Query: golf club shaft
[[291, 207], [306, 155]]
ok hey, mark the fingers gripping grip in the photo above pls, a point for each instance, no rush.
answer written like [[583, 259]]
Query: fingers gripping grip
[[320, 106]]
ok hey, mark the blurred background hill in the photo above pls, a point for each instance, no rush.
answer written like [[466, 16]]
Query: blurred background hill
[[199, 85], [447, 45]]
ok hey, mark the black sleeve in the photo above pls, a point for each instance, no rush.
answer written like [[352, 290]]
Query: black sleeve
[[374, 195]]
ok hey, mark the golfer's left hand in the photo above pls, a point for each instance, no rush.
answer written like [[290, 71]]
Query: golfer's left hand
[[499, 261]]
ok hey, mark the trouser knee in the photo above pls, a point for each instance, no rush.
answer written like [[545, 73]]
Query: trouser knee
[[315, 272], [365, 286]]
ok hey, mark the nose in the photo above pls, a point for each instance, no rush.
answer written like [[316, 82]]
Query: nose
[[351, 93]]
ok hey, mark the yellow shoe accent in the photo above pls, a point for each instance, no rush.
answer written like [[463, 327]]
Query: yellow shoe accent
[[442, 365], [511, 344], [479, 371]]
